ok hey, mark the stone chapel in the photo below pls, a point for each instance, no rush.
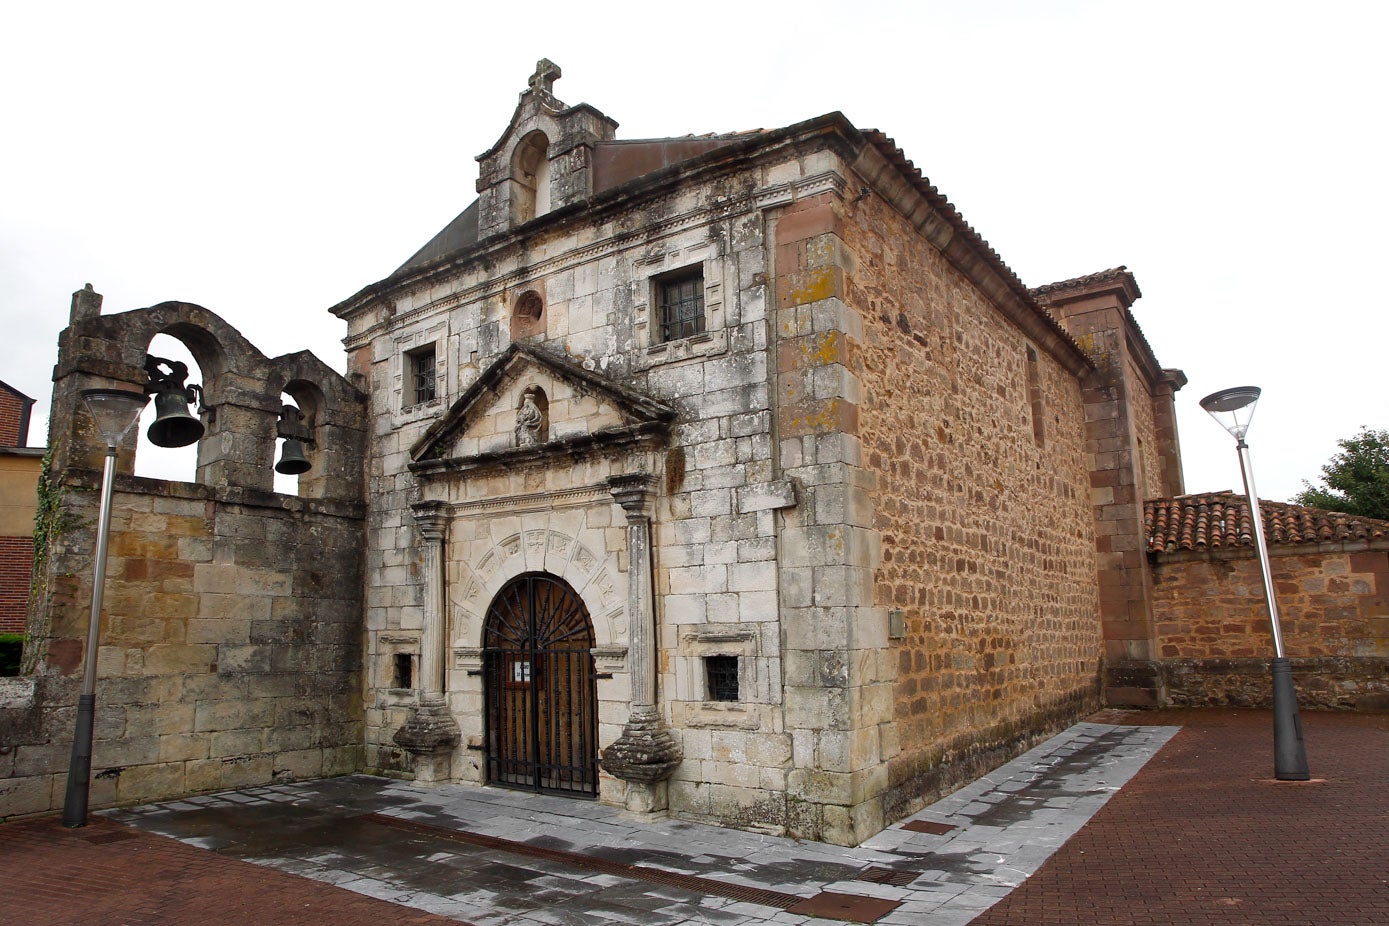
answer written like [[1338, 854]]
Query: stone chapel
[[732, 477], [736, 476]]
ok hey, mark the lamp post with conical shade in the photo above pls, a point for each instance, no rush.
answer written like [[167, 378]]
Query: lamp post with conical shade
[[115, 412], [1233, 409]]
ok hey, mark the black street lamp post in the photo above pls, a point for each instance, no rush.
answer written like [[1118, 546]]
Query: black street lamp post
[[1233, 409]]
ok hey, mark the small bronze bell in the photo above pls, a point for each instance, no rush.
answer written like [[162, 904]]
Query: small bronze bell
[[173, 425], [292, 428], [292, 459]]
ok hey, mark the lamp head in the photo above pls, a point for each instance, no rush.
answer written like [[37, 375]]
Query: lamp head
[[1233, 409], [115, 411]]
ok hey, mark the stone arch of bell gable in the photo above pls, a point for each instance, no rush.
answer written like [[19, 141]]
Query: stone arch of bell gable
[[109, 350], [592, 575]]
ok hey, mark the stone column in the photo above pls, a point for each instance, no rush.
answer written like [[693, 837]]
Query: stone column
[[431, 732], [645, 754]]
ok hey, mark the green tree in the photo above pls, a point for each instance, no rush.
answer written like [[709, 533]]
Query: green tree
[[1356, 479]]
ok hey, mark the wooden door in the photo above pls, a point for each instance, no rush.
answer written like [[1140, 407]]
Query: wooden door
[[539, 678]]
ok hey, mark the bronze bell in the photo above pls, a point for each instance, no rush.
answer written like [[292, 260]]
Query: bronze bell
[[292, 459], [173, 425]]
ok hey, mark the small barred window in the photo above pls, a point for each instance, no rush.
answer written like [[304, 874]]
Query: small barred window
[[682, 306], [721, 675], [423, 376]]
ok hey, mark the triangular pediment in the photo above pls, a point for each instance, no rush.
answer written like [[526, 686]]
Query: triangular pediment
[[530, 404]]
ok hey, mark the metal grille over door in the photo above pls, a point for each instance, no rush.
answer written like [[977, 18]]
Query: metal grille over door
[[541, 721]]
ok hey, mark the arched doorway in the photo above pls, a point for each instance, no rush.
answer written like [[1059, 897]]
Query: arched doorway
[[539, 679]]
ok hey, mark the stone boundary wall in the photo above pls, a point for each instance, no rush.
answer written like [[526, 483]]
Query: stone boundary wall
[[230, 646], [1213, 632], [230, 651]]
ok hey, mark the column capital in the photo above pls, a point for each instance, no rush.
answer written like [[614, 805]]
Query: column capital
[[634, 492], [432, 518]]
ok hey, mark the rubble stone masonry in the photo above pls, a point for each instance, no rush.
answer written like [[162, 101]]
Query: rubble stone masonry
[[1214, 637], [987, 537]]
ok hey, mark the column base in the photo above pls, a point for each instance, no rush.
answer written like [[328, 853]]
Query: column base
[[644, 797], [645, 753], [430, 734]]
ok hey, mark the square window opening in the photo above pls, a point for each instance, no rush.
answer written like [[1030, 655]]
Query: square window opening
[[680, 302], [721, 677], [403, 671]]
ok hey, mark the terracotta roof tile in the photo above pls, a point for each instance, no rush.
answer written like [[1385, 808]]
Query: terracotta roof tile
[[1221, 519], [1112, 275]]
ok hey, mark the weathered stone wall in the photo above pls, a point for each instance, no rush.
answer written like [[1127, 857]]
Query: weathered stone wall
[[1214, 636], [230, 649], [714, 522], [1147, 443], [988, 545]]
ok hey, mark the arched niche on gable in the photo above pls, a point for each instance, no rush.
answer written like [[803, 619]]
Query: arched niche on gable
[[530, 177]]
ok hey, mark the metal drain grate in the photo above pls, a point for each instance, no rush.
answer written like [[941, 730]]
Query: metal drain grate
[[757, 895], [928, 826], [848, 907], [888, 876]]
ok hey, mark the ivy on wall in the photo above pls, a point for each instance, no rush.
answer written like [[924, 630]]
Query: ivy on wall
[[51, 521]]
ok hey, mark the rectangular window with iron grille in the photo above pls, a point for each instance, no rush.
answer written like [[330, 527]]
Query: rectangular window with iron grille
[[721, 676], [423, 377], [681, 305]]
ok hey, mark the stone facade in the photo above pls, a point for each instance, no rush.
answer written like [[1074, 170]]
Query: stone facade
[[230, 638], [974, 438], [863, 489]]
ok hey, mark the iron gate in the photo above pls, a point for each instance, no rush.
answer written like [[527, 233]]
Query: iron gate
[[539, 677]]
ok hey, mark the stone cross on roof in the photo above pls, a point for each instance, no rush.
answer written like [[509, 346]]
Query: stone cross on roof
[[543, 80]]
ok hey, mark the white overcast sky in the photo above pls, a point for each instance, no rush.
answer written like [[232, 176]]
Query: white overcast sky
[[267, 160]]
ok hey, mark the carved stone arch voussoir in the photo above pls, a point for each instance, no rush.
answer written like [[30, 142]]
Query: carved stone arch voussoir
[[593, 576]]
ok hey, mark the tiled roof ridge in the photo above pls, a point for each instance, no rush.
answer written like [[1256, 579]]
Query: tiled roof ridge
[[1214, 520], [737, 133], [1112, 275], [888, 147]]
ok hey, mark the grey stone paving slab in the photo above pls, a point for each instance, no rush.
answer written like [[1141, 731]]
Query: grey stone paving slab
[[1008, 823]]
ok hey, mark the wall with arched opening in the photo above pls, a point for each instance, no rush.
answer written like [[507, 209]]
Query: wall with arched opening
[[230, 644]]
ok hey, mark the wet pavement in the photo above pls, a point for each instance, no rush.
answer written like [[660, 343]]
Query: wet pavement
[[493, 857]]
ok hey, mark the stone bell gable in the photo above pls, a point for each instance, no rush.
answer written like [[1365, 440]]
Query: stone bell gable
[[543, 161], [529, 404], [231, 644]]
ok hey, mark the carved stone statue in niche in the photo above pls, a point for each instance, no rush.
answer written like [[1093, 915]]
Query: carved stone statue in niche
[[530, 418]]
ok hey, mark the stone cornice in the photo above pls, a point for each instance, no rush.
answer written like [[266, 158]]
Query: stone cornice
[[532, 501]]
